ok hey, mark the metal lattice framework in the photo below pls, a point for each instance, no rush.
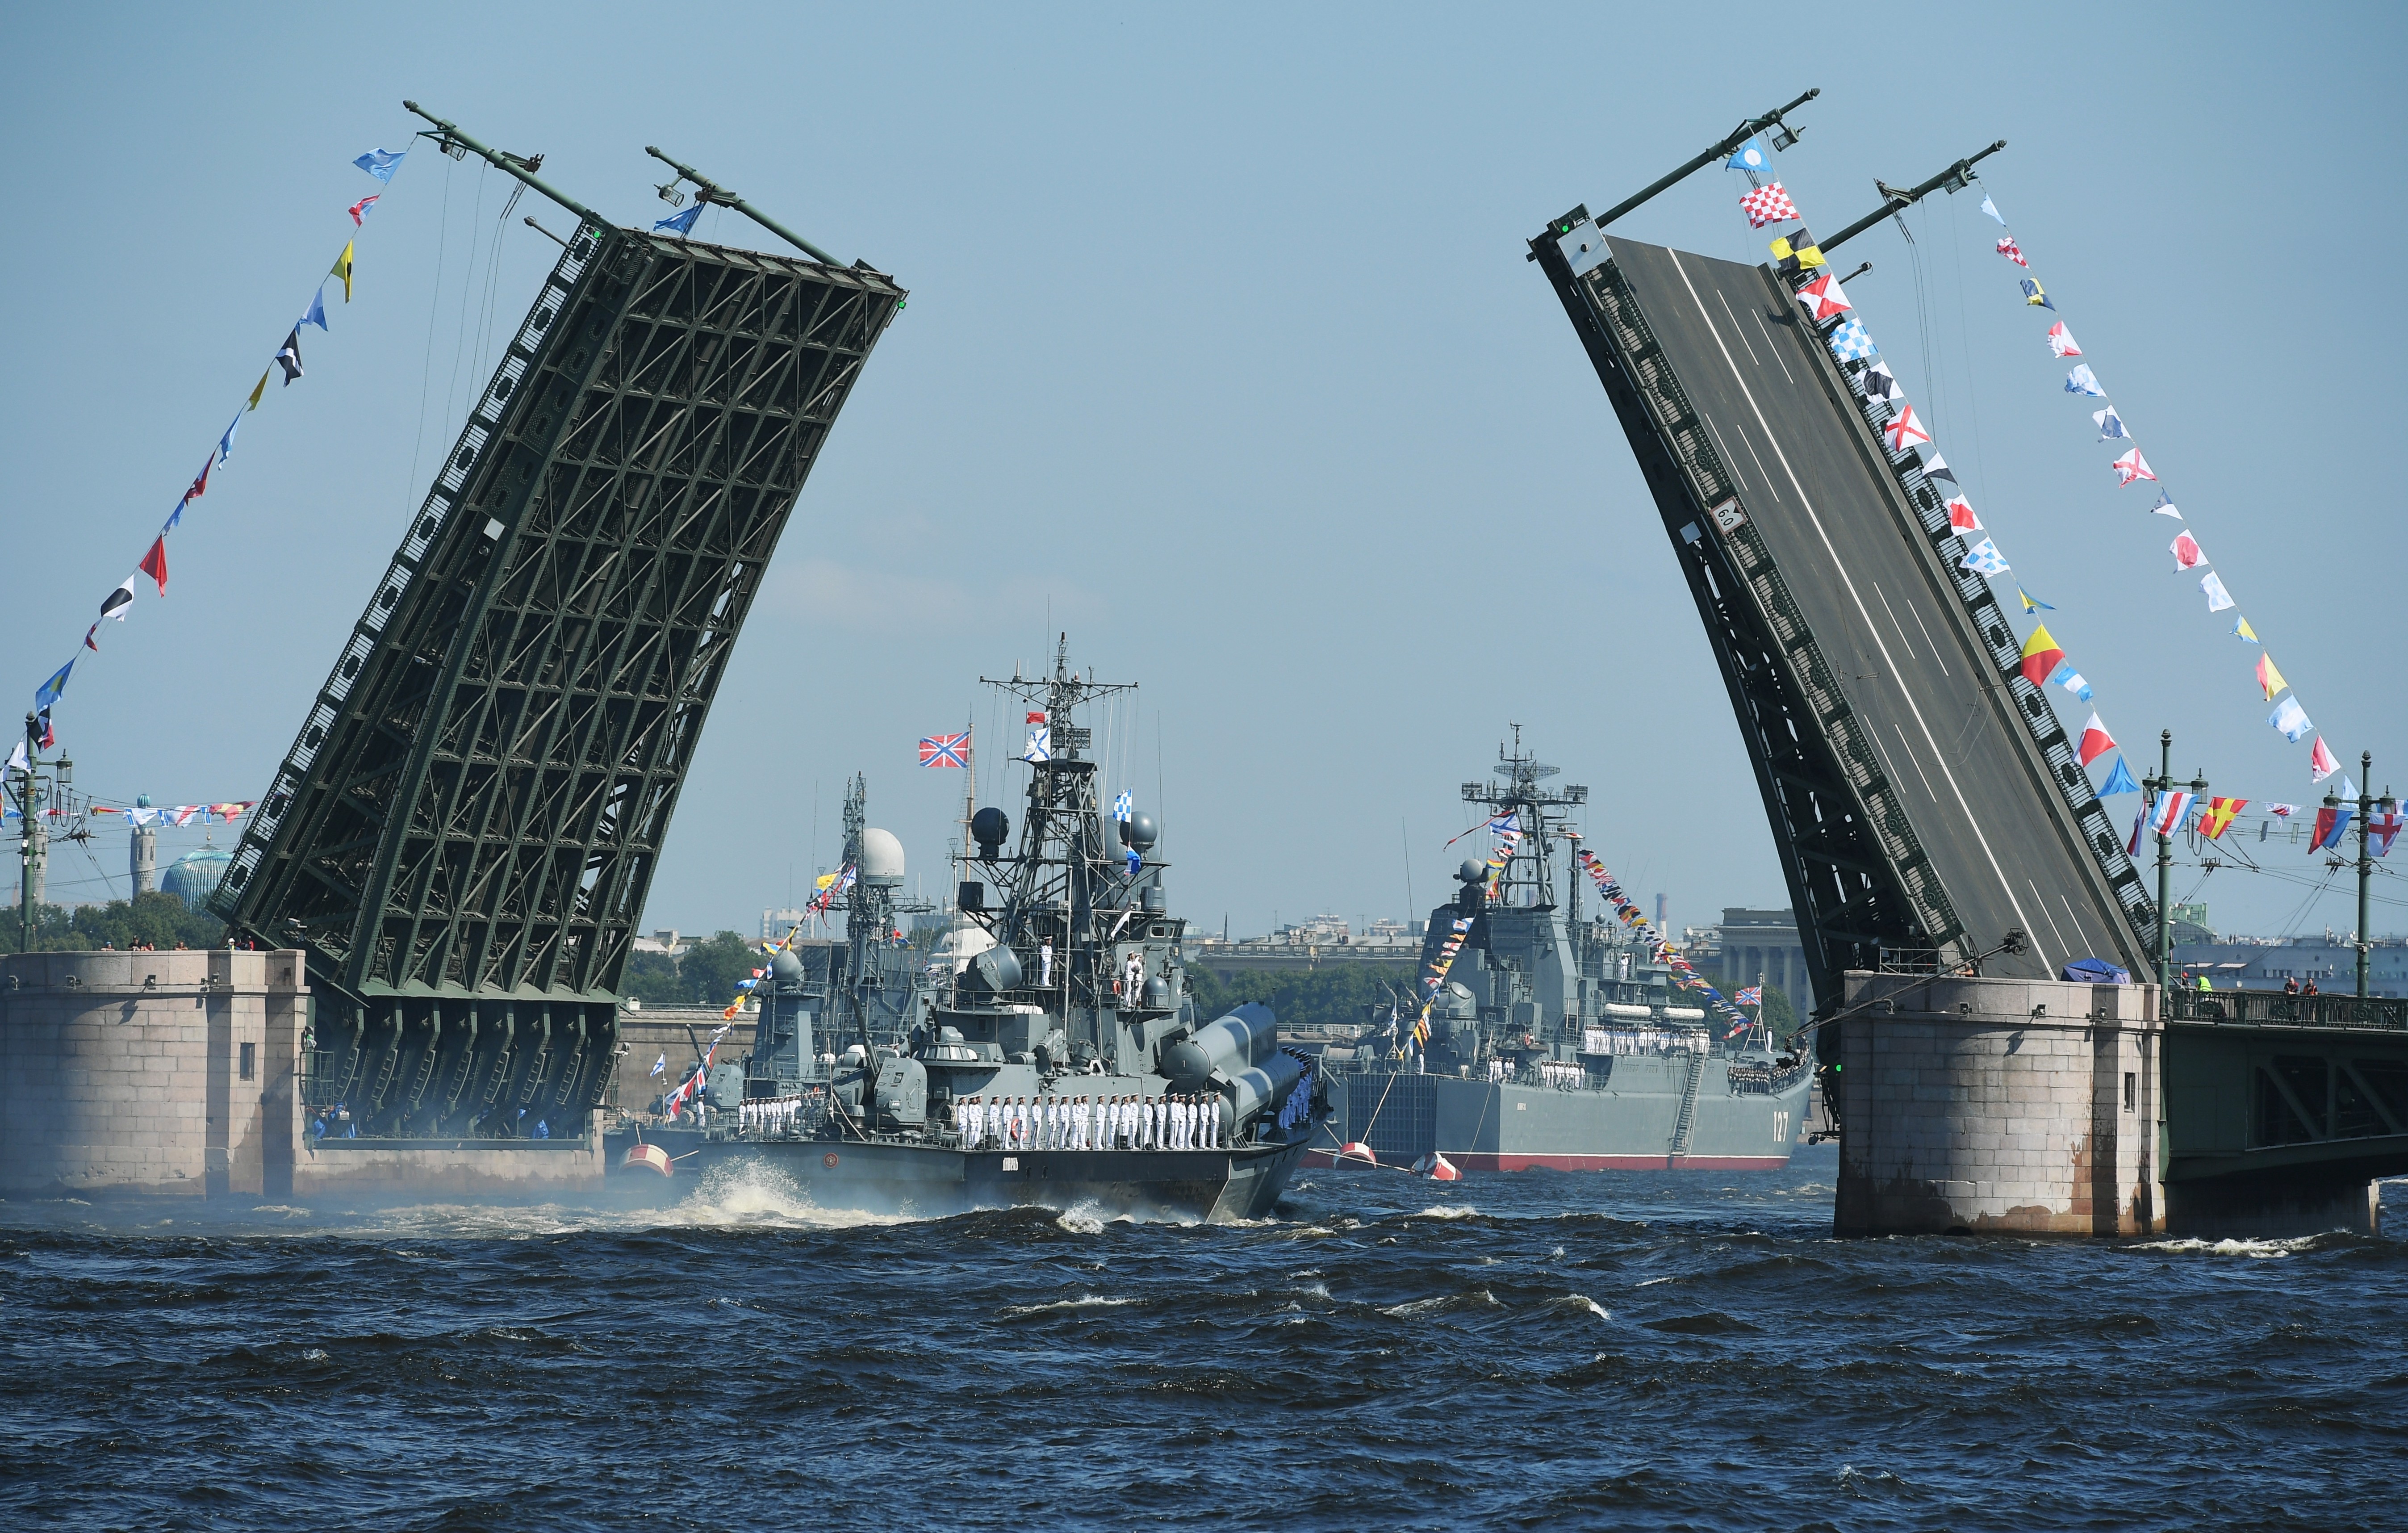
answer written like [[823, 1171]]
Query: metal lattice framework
[[477, 802]]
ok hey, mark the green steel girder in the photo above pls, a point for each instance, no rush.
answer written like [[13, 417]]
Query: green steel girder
[[478, 796]]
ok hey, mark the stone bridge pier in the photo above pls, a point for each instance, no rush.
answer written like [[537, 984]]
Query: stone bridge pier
[[2022, 1105]]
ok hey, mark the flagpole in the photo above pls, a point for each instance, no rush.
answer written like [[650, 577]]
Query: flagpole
[[511, 163], [1721, 150], [710, 191], [1956, 178]]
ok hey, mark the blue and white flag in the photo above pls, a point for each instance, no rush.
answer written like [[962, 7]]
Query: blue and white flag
[[2218, 599], [226, 443], [1992, 209], [52, 689], [2291, 719], [2082, 380], [2111, 425], [1751, 156], [679, 224], [2071, 679], [1850, 342], [2119, 780], [1040, 743], [381, 163], [1986, 558], [661, 1064], [1122, 807], [317, 314]]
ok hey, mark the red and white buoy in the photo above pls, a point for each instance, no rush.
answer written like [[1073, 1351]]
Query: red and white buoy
[[647, 1157], [1356, 1150], [1437, 1167]]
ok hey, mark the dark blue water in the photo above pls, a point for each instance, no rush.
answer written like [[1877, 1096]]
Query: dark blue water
[[1539, 1351]]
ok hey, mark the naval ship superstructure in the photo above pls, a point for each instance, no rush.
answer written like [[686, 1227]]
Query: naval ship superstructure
[[1556, 1040], [1064, 1064]]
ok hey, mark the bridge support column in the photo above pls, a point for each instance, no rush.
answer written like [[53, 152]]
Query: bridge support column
[[2023, 1105]]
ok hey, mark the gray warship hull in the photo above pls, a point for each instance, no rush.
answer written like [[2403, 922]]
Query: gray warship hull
[[918, 1181], [1630, 1119]]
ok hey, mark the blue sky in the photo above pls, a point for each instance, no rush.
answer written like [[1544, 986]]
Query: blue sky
[[1223, 352]]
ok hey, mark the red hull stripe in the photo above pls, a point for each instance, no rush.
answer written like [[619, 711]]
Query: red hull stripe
[[1321, 1159]]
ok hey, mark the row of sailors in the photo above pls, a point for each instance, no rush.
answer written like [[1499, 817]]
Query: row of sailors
[[1089, 1123], [770, 1116]]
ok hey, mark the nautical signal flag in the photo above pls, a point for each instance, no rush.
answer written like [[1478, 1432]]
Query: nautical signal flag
[[1823, 298], [2170, 812], [154, 564], [2041, 656], [1937, 468], [1879, 383], [317, 314], [2382, 828], [1852, 342], [288, 357], [362, 208], [2242, 631], [342, 269], [2321, 763], [2071, 679], [117, 601], [2281, 811], [382, 163], [945, 750], [2082, 380], [1769, 205], [52, 690], [1985, 558], [2217, 816], [2269, 680], [2031, 602], [2119, 780], [2184, 547], [1961, 519], [2035, 294], [2008, 249], [2096, 741], [1750, 156], [2165, 507], [2060, 341], [2217, 597], [2332, 824], [1797, 255], [1906, 431], [2292, 720], [2110, 424], [681, 223], [2131, 466]]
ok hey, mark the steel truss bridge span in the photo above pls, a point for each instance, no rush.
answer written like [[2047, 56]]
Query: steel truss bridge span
[[464, 829], [1923, 795]]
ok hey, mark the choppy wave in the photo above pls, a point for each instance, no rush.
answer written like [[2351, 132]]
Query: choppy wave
[[1616, 1349]]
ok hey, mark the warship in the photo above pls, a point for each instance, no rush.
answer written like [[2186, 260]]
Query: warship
[[1061, 1062], [1555, 1041]]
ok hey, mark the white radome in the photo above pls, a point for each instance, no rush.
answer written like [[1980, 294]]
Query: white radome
[[881, 858]]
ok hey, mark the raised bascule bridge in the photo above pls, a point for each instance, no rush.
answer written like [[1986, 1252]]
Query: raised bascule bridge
[[1939, 839], [463, 833]]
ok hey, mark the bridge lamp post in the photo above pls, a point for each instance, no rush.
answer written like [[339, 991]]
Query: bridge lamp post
[[2368, 803], [2158, 784]]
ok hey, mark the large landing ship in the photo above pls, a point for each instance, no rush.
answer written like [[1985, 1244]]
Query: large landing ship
[[1558, 1041], [1062, 1066]]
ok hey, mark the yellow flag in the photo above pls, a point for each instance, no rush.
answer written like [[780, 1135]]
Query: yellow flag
[[342, 269], [2269, 678], [257, 389], [2242, 630], [1780, 248], [1810, 256]]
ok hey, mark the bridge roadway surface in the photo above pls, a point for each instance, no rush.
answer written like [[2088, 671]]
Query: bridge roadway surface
[[1902, 641]]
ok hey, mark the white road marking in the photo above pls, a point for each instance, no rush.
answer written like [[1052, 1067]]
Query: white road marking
[[1970, 822], [1895, 623], [2042, 901], [1926, 639], [1910, 756], [1772, 346]]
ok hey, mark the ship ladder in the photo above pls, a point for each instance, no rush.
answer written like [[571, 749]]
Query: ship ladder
[[1688, 1118]]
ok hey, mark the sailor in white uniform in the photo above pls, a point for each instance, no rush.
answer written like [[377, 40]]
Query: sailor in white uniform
[[1155, 1119], [993, 1139]]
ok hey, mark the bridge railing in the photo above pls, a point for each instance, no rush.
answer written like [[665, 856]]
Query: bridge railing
[[2275, 1008]]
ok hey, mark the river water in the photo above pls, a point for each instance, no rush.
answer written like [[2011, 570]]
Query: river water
[[1542, 1350]]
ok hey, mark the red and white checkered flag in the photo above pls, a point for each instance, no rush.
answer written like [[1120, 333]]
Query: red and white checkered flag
[[1769, 205], [2008, 247]]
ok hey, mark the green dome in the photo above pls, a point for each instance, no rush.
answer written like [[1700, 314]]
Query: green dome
[[193, 878]]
